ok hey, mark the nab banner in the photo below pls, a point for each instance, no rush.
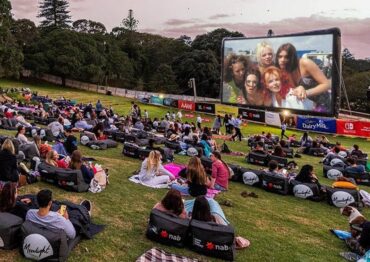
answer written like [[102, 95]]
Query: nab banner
[[186, 105], [170, 102], [205, 107], [252, 115], [317, 124], [363, 128]]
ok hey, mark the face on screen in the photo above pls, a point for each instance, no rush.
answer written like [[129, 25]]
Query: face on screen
[[303, 66]]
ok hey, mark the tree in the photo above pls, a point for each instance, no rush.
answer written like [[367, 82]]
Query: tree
[[89, 27], [5, 14], [10, 54], [163, 80], [213, 40], [201, 65], [185, 39], [130, 23], [25, 32], [347, 55], [55, 14]]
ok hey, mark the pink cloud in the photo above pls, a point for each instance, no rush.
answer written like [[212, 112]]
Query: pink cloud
[[355, 32], [218, 16], [179, 22]]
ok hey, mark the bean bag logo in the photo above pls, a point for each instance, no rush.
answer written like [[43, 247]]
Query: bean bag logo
[[342, 198], [334, 174], [37, 247], [165, 234], [250, 178], [272, 186], [210, 246], [302, 191]]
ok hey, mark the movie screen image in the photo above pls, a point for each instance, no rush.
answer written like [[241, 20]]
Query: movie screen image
[[283, 72]]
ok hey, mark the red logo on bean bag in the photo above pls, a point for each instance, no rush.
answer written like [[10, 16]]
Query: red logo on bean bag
[[210, 246], [164, 234]]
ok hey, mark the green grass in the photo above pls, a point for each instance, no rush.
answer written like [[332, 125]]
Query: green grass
[[280, 228]]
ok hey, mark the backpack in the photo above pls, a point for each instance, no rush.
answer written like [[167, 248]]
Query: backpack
[[225, 148]]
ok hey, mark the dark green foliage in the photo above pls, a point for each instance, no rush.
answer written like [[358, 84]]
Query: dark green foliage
[[201, 65], [5, 14], [163, 80], [55, 14], [25, 32], [89, 27], [213, 40]]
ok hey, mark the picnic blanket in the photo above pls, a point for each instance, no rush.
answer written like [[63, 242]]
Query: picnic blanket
[[156, 254], [135, 179]]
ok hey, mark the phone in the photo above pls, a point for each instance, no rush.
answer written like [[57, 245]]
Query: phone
[[62, 209]]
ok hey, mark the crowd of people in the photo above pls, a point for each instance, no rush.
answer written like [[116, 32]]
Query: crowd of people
[[194, 181]]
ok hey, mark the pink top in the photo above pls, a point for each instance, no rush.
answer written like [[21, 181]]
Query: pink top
[[160, 207], [221, 173]]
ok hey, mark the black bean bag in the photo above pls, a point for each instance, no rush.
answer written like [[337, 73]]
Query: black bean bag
[[39, 243], [167, 229], [275, 183], [341, 197], [131, 150], [305, 190], [10, 226], [212, 239], [251, 177], [257, 159], [282, 161], [68, 179]]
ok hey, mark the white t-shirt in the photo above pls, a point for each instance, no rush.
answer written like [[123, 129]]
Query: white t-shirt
[[199, 119], [56, 128]]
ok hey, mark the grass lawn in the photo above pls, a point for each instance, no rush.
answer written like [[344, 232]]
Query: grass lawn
[[280, 228]]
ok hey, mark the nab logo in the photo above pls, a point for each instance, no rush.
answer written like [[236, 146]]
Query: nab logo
[[348, 126]]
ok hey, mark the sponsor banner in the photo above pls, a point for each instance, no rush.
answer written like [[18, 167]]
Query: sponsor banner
[[317, 124], [347, 127], [252, 115], [273, 119], [186, 105], [224, 109], [156, 100], [189, 115], [205, 107], [363, 128], [170, 102]]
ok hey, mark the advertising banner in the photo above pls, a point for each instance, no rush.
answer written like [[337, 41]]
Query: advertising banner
[[252, 115], [205, 107], [156, 100], [317, 124], [186, 105], [170, 102], [363, 128], [224, 109], [273, 119], [346, 127]]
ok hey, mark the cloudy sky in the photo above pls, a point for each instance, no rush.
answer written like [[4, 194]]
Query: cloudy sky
[[174, 18]]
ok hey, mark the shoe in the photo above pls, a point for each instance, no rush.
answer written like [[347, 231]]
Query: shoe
[[95, 147], [88, 205], [226, 203], [252, 194], [244, 194]]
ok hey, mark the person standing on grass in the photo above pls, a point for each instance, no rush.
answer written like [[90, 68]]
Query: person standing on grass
[[199, 122], [283, 129], [146, 114], [179, 115], [236, 123]]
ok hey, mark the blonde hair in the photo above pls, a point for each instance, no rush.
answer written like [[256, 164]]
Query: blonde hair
[[195, 171], [49, 158], [8, 145], [259, 49], [153, 161]]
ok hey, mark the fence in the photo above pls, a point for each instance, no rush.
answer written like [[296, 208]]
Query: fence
[[116, 91]]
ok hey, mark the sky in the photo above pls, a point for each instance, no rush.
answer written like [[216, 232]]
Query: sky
[[253, 18]]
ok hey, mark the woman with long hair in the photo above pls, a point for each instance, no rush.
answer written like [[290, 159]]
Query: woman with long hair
[[21, 130], [152, 171], [252, 90], [9, 203], [234, 70], [196, 179], [264, 55], [304, 76], [8, 163], [52, 158], [172, 203], [77, 163], [220, 173]]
